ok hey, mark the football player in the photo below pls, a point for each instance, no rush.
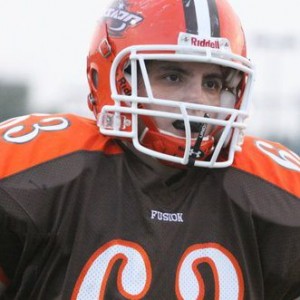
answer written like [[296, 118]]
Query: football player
[[163, 196]]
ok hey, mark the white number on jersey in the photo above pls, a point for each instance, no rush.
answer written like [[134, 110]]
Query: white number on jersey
[[284, 158], [135, 274], [19, 134]]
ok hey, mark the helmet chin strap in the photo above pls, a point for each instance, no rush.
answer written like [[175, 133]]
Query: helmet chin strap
[[196, 151], [155, 140]]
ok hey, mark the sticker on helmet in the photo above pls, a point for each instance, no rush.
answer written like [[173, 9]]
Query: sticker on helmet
[[193, 40], [119, 18]]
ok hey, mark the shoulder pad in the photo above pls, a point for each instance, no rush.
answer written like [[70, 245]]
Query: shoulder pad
[[272, 162], [34, 139]]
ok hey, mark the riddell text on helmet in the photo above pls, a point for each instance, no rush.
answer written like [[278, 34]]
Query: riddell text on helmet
[[205, 43]]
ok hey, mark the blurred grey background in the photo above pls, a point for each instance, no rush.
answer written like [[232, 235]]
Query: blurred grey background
[[44, 43]]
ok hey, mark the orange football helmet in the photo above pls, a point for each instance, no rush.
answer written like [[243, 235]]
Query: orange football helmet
[[132, 32]]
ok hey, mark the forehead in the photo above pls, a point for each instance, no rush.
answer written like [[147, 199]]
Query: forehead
[[188, 67]]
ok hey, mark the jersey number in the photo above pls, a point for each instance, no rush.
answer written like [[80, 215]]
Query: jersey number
[[20, 134], [135, 273], [284, 158]]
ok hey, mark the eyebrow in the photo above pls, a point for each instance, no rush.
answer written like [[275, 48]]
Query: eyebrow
[[169, 66], [172, 67], [215, 75]]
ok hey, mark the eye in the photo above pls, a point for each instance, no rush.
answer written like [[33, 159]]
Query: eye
[[172, 77], [213, 84]]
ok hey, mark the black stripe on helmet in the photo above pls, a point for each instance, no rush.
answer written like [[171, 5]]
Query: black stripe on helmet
[[214, 18], [190, 16]]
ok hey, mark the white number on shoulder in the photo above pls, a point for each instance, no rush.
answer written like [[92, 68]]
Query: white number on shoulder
[[23, 133], [284, 158]]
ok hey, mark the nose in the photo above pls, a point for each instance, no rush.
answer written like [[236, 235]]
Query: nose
[[199, 94], [195, 93]]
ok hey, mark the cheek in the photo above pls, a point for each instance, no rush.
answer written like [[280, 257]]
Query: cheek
[[141, 90], [210, 100], [216, 101], [166, 92], [162, 123], [169, 95]]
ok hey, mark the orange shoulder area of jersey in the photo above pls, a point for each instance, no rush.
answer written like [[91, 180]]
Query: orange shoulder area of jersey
[[272, 162], [34, 139]]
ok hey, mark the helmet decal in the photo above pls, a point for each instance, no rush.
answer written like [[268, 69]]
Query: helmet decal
[[206, 25], [119, 18], [198, 41]]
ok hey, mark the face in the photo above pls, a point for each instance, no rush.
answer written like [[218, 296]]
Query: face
[[198, 83]]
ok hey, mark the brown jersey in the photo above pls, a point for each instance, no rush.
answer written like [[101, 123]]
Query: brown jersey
[[81, 218]]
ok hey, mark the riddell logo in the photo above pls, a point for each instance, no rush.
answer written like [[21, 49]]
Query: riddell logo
[[196, 41], [205, 43]]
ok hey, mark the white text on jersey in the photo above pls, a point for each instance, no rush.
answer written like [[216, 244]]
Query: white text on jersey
[[166, 217]]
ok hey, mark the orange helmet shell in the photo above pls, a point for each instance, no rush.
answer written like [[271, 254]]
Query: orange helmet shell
[[140, 22], [132, 31]]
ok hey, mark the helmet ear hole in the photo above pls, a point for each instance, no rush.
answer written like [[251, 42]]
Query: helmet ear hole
[[93, 82], [95, 78]]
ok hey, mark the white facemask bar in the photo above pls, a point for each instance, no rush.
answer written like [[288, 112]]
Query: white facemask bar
[[234, 125]]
